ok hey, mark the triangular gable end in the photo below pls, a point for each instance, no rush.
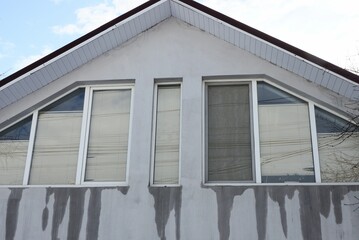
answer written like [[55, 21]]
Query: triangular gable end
[[149, 14]]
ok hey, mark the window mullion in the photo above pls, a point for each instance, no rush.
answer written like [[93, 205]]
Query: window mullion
[[313, 132], [255, 127], [83, 137], [30, 148], [87, 116]]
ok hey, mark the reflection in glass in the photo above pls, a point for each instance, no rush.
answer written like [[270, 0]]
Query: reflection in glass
[[14, 143], [57, 140], [338, 142], [108, 136], [167, 135], [229, 133], [285, 141]]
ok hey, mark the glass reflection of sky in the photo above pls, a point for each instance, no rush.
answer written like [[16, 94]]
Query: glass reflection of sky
[[268, 94], [329, 123], [20, 131], [71, 102]]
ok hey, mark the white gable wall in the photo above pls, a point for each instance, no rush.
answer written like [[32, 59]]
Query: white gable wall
[[175, 49]]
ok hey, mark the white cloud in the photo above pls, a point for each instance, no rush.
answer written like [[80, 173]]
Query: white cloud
[[26, 60], [88, 18]]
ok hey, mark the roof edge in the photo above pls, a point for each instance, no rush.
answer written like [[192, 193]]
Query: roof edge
[[76, 42], [296, 51]]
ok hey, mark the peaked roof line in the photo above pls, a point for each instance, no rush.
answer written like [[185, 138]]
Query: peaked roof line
[[294, 50], [76, 42]]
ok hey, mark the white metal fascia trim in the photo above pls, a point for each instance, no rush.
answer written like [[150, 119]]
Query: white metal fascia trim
[[115, 26]]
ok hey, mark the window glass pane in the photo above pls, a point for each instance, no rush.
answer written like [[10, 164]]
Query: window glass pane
[[229, 140], [285, 142], [338, 142], [167, 135], [14, 142], [57, 140], [108, 139]]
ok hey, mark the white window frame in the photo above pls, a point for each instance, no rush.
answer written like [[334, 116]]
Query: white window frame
[[86, 133], [253, 119], [153, 139], [81, 162], [255, 133]]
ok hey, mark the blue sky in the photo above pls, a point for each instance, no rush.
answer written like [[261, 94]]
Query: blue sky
[[32, 29]]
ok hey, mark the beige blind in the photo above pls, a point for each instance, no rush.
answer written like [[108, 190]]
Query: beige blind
[[56, 147], [108, 136], [166, 160], [285, 142], [12, 161], [229, 134]]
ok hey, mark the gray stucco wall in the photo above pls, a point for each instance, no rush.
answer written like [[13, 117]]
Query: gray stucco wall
[[259, 212], [173, 49]]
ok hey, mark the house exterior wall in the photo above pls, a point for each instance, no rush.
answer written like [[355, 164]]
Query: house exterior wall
[[173, 49]]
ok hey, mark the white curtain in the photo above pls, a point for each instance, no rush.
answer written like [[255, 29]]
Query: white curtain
[[12, 161], [56, 147], [166, 169], [285, 142], [108, 138], [229, 156]]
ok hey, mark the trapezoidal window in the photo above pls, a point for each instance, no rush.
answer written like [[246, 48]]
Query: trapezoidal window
[[338, 148], [57, 140], [107, 150], [14, 143], [229, 154], [285, 137]]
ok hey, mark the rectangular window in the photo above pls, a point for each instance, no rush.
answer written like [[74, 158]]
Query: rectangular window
[[229, 150], [57, 141], [14, 143], [167, 135], [285, 141], [107, 149]]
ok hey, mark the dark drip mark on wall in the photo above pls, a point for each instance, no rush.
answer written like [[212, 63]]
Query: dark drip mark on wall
[[94, 210], [45, 212], [77, 200], [12, 212], [75, 197], [324, 196], [261, 196], [278, 194], [61, 197], [123, 190], [310, 213], [337, 198], [166, 199], [314, 201], [225, 196]]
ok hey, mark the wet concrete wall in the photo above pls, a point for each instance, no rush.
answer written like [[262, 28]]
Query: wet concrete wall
[[259, 212]]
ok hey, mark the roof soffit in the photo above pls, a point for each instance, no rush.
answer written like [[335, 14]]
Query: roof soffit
[[147, 15]]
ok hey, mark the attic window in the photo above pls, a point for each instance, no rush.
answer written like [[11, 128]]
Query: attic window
[[70, 141], [338, 148], [229, 133], [14, 143], [256, 132], [57, 141]]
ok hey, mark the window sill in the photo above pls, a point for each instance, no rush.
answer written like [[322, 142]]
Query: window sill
[[276, 184]]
